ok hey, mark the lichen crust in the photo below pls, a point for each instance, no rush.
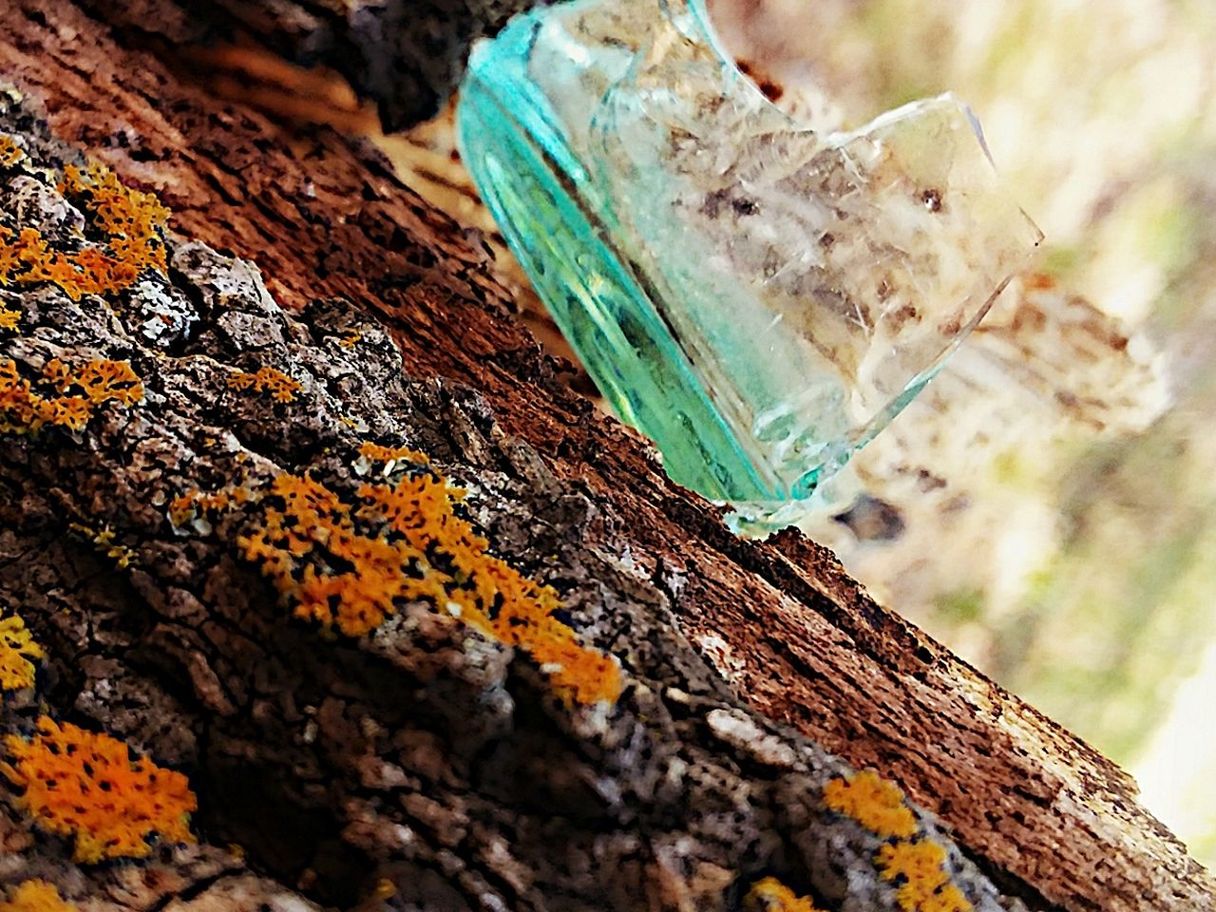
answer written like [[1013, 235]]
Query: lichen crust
[[89, 787]]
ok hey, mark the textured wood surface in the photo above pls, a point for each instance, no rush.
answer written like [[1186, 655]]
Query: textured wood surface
[[793, 638], [405, 55]]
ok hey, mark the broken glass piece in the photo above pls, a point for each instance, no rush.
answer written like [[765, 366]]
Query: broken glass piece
[[758, 298]]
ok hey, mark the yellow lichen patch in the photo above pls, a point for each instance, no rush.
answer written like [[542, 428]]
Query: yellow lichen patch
[[350, 568], [875, 803], [771, 895], [923, 884], [18, 653], [106, 544], [86, 785], [947, 898], [912, 862], [120, 554], [11, 154], [75, 394], [350, 340], [281, 387], [36, 896], [128, 221]]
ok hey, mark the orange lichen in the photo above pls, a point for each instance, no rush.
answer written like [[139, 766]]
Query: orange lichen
[[872, 801], [281, 387], [19, 406], [101, 380], [18, 653], [183, 508], [194, 503], [350, 568], [11, 154], [36, 896], [374, 452], [76, 394], [86, 785], [771, 895], [10, 318], [492, 596], [384, 889], [128, 221]]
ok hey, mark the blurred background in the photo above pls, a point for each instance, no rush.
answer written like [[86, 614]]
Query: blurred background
[[1047, 508]]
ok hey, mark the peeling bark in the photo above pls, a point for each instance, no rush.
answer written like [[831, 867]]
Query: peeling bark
[[425, 760]]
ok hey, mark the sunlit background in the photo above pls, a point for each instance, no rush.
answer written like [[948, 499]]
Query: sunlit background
[[1046, 508], [1064, 539]]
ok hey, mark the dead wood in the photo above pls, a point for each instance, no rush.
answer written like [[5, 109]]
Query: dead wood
[[425, 760]]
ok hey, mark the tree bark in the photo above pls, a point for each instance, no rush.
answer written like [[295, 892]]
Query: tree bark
[[405, 55], [425, 766]]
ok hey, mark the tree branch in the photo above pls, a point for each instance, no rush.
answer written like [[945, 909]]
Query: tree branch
[[428, 755]]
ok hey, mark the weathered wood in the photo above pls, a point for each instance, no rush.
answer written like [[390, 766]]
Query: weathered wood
[[406, 55], [456, 778]]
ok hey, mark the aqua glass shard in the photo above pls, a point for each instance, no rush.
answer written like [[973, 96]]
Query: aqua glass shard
[[758, 298]]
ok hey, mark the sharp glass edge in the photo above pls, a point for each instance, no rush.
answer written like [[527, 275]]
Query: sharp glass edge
[[759, 299]]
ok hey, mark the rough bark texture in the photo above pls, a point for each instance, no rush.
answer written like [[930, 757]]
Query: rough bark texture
[[425, 761], [406, 55]]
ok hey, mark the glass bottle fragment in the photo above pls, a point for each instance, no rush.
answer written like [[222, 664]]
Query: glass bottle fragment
[[759, 298]]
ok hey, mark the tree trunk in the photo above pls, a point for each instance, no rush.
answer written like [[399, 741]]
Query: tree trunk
[[442, 758]]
